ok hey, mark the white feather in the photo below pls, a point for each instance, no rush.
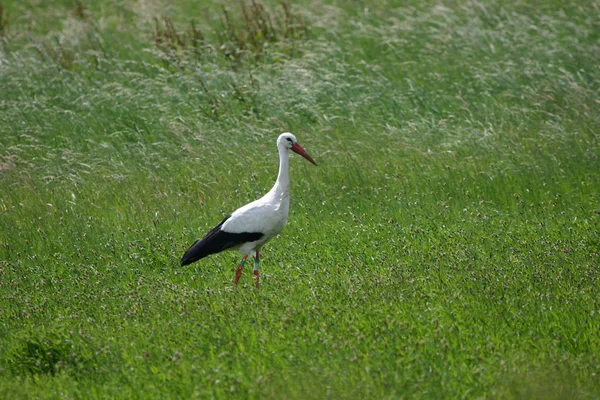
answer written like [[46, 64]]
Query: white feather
[[267, 215]]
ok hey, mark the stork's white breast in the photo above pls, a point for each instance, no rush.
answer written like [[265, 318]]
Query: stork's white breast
[[264, 215]]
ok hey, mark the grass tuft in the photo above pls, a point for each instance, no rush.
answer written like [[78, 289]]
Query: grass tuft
[[3, 21], [260, 32], [172, 43], [48, 355], [80, 10], [261, 27]]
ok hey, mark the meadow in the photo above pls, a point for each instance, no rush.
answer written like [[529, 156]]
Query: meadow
[[447, 245]]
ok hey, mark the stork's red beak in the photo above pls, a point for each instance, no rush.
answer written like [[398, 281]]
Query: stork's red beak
[[296, 148]]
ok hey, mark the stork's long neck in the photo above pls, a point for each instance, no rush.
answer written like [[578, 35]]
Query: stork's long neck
[[281, 189]]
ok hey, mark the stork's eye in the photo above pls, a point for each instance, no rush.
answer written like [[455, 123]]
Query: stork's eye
[[289, 140]]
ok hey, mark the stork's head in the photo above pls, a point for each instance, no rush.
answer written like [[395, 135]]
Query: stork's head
[[288, 141]]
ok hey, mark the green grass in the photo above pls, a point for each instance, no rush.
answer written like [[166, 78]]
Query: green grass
[[447, 246]]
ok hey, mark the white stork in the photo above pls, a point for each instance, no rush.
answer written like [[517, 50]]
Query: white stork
[[248, 228]]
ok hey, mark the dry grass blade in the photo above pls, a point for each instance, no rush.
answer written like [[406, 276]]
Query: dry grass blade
[[3, 21], [80, 11], [166, 36]]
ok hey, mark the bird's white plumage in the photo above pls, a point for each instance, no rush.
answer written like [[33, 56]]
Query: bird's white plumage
[[263, 215], [268, 214]]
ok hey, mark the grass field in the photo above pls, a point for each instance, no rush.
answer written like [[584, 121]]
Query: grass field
[[447, 246]]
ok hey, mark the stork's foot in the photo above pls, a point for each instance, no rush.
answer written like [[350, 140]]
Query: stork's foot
[[238, 271]]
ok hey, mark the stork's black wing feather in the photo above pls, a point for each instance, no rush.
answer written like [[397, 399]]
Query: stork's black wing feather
[[216, 241]]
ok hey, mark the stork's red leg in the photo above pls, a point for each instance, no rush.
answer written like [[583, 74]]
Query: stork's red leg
[[238, 271], [256, 263]]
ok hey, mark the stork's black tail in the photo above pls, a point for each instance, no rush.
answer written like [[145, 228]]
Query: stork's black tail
[[216, 241]]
